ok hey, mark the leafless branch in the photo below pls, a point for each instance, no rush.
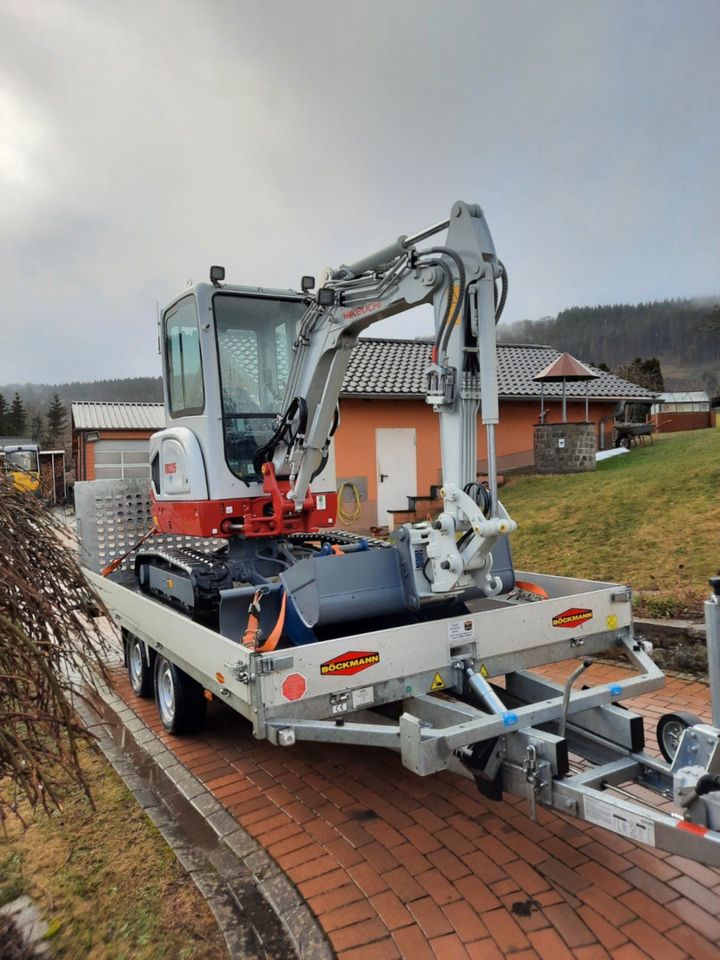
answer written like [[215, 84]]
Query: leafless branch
[[49, 645]]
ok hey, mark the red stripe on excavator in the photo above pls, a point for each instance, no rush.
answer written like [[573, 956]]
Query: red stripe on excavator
[[213, 518]]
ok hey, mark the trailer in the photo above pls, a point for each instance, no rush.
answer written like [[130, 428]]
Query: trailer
[[461, 693]]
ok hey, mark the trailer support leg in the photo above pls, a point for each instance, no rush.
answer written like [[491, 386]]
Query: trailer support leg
[[712, 628]]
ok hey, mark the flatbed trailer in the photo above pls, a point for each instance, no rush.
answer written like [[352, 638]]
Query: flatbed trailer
[[423, 690]]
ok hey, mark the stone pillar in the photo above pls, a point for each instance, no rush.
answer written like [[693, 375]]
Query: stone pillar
[[565, 447]]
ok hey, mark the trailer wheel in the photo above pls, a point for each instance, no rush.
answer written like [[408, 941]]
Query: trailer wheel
[[180, 699], [670, 729], [139, 670]]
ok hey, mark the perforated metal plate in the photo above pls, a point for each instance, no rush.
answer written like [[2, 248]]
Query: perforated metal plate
[[112, 515]]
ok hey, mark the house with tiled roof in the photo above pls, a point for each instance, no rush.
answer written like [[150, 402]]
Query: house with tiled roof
[[390, 368], [388, 442]]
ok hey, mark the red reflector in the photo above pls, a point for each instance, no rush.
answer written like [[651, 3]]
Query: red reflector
[[691, 827], [294, 686]]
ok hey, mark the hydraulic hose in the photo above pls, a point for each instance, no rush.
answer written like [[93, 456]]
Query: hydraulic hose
[[265, 453], [505, 284], [449, 278], [459, 303]]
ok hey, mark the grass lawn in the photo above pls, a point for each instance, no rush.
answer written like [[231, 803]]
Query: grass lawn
[[650, 518], [105, 881]]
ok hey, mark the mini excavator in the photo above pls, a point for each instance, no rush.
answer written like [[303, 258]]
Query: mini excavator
[[252, 382]]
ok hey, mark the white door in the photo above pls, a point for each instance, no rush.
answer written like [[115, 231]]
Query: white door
[[395, 453]]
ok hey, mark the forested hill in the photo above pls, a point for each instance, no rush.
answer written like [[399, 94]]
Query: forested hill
[[38, 395], [42, 410], [678, 332]]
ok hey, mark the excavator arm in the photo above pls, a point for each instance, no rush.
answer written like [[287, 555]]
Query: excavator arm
[[459, 279]]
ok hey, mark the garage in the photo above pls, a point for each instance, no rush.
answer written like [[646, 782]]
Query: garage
[[111, 441]]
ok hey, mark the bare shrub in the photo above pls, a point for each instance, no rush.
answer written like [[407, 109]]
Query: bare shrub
[[49, 645]]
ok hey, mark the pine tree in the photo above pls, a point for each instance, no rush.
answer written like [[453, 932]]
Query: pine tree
[[56, 418], [37, 429], [4, 416], [18, 417]]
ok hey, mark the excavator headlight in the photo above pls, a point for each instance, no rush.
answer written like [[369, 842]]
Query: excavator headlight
[[217, 275], [326, 297], [307, 283]]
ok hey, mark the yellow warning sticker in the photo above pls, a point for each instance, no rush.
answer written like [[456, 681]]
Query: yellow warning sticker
[[484, 671], [612, 622], [438, 683]]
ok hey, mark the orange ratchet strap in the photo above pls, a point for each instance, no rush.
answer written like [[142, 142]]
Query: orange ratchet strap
[[114, 564], [252, 630], [253, 626], [276, 632], [532, 588]]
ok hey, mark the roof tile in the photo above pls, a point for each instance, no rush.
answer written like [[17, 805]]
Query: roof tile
[[386, 367]]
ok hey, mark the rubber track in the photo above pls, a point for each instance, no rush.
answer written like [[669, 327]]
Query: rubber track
[[208, 572]]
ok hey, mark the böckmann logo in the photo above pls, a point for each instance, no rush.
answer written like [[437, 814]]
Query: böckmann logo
[[572, 618], [348, 663]]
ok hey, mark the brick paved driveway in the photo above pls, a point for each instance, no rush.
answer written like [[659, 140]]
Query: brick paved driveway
[[396, 865]]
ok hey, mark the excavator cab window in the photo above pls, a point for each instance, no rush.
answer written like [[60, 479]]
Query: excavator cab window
[[186, 395], [255, 337], [25, 459]]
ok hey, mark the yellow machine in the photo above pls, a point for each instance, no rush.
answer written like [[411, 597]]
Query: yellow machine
[[20, 461]]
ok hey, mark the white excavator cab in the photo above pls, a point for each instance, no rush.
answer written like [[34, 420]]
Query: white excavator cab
[[226, 353]]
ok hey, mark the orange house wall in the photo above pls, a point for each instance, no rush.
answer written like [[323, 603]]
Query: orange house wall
[[355, 439]]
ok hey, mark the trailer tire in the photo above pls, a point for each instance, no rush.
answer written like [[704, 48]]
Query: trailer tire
[[670, 729], [180, 700], [140, 672]]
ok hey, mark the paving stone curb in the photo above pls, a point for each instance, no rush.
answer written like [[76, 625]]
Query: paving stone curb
[[245, 856]]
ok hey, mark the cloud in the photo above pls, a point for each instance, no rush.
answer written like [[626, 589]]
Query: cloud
[[141, 142]]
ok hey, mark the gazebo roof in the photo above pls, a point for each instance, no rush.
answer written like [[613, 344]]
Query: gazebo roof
[[567, 368]]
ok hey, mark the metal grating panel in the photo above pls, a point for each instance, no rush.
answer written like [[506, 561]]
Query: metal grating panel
[[112, 515]]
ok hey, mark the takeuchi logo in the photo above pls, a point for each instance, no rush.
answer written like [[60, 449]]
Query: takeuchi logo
[[349, 663], [363, 308], [574, 617]]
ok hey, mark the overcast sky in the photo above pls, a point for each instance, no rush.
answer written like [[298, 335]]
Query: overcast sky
[[142, 141]]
